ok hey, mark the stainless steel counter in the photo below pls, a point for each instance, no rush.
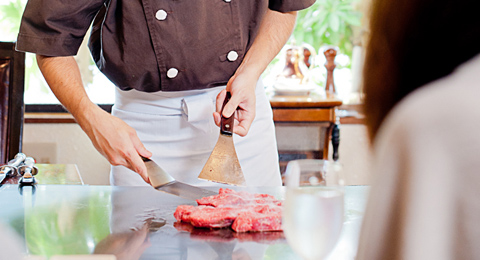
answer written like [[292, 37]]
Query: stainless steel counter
[[128, 222]]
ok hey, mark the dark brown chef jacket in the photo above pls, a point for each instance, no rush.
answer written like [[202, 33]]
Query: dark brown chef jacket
[[151, 45]]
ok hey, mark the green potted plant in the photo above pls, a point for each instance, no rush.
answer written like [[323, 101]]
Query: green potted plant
[[328, 22]]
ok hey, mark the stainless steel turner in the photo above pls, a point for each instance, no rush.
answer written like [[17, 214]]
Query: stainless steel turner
[[163, 181], [223, 166]]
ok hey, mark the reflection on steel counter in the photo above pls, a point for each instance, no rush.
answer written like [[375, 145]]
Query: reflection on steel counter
[[73, 219], [125, 246], [226, 234], [133, 206]]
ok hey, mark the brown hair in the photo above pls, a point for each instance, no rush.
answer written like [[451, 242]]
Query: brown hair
[[411, 43]]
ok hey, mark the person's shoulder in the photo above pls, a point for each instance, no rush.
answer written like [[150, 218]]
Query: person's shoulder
[[455, 95], [444, 107]]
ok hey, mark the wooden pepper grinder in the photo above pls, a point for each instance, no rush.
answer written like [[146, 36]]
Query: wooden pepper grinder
[[330, 65], [292, 66]]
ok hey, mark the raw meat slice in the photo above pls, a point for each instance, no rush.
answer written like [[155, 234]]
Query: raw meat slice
[[206, 216], [230, 197], [261, 218], [224, 197], [213, 217], [243, 211], [182, 210]]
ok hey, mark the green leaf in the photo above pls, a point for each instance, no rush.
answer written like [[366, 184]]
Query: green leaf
[[320, 29], [11, 15], [328, 22], [334, 22], [351, 18], [308, 39]]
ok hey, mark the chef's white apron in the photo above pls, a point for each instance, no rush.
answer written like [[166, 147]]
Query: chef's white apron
[[178, 128]]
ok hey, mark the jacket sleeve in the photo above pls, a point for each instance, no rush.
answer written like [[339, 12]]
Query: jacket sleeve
[[289, 5], [56, 28]]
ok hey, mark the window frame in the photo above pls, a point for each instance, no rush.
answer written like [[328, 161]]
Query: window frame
[[57, 108]]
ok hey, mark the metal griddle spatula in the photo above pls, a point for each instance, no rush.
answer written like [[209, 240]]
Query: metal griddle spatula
[[163, 181], [223, 166]]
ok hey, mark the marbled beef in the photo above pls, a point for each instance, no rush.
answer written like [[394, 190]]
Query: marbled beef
[[259, 218], [228, 197], [242, 211]]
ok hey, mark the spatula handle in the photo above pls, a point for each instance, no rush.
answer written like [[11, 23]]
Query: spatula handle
[[226, 123]]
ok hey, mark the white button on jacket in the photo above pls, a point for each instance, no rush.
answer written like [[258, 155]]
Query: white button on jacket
[[161, 15], [172, 73], [232, 56]]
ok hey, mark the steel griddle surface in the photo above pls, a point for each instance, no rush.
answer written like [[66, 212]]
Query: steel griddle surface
[[87, 219]]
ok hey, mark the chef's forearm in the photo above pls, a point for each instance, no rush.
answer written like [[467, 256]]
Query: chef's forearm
[[273, 33], [63, 76]]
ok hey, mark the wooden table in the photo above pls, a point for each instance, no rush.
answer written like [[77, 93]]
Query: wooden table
[[314, 108]]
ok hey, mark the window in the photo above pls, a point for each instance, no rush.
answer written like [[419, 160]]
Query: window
[[37, 92], [334, 23]]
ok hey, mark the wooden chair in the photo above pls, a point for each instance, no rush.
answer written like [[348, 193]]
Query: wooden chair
[[12, 72]]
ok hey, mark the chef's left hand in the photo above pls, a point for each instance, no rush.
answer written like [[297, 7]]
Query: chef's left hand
[[242, 103]]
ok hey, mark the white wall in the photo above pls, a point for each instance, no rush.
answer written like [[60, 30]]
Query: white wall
[[354, 154], [72, 147], [68, 144]]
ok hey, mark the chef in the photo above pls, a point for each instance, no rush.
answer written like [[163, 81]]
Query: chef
[[172, 63]]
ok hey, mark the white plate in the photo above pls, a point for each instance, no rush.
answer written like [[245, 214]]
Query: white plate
[[292, 89]]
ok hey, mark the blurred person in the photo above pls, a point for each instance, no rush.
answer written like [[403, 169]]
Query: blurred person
[[422, 85]]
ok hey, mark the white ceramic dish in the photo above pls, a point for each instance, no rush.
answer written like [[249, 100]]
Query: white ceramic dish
[[292, 88]]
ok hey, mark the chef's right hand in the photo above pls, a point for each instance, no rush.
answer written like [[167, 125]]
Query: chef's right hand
[[114, 139]]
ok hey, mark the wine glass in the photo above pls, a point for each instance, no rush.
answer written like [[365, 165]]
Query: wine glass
[[313, 207]]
